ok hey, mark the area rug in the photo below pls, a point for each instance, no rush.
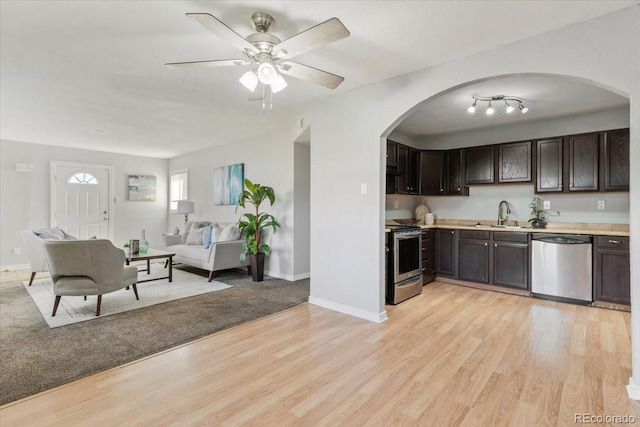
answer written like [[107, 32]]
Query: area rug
[[76, 309], [35, 357]]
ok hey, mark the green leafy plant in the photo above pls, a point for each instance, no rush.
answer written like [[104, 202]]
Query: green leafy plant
[[250, 224], [537, 213], [126, 245]]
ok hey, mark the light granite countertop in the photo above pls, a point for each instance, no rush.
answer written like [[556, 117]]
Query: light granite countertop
[[594, 229]]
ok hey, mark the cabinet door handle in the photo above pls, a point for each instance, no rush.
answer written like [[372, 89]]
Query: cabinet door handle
[[452, 232], [458, 188], [496, 245], [486, 244], [442, 189], [615, 242]]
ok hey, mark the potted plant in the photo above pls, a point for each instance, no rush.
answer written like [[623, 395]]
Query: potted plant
[[537, 220], [251, 224]]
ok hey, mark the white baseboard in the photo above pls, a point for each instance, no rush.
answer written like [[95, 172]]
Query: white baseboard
[[633, 389], [356, 312], [15, 267], [288, 277]]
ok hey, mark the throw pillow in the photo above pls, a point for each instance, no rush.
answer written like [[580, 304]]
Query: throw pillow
[[185, 234], [229, 233], [206, 237], [195, 236]]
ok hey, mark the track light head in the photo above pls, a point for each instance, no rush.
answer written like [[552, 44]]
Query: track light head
[[472, 109], [490, 109], [523, 108], [508, 107]]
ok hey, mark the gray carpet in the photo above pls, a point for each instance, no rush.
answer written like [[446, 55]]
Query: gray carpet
[[34, 357]]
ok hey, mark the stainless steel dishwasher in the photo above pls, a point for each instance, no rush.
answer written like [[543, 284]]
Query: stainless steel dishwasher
[[561, 267]]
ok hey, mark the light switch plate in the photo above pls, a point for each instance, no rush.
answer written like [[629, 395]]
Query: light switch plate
[[546, 204], [602, 204], [363, 188], [396, 204]]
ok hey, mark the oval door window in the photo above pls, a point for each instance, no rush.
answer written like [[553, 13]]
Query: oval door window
[[82, 178]]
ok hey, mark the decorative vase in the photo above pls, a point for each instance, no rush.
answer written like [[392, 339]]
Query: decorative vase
[[257, 266], [144, 244], [421, 211], [538, 224]]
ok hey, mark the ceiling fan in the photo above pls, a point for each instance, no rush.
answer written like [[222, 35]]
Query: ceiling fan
[[270, 57]]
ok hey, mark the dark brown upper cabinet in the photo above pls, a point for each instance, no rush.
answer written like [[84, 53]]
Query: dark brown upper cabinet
[[441, 173], [582, 158], [514, 162], [408, 167], [549, 165], [453, 174], [392, 155], [614, 161], [479, 165], [431, 173]]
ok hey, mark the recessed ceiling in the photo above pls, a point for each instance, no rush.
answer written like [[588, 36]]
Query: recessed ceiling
[[545, 96], [91, 74]]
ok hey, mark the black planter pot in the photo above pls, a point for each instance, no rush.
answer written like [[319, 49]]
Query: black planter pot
[[257, 266], [538, 224]]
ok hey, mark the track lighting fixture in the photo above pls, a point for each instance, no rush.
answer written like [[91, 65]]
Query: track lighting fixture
[[508, 107]]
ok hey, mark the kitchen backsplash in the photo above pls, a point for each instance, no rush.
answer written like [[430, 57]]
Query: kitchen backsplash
[[482, 204]]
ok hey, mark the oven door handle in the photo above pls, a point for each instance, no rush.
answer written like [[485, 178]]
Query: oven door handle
[[410, 235]]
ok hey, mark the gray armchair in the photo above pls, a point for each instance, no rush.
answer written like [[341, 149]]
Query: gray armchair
[[88, 267]]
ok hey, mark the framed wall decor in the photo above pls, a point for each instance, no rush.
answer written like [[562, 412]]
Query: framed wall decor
[[142, 188], [228, 183]]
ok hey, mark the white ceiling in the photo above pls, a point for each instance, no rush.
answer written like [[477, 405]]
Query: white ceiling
[[91, 74]]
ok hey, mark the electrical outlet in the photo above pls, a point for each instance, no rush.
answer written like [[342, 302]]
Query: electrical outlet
[[546, 204], [396, 204], [17, 251], [602, 204]]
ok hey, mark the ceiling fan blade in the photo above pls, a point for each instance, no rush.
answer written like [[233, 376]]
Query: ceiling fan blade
[[304, 72], [217, 27], [208, 64], [324, 33]]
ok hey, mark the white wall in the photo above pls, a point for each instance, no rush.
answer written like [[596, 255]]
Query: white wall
[[302, 216], [482, 204], [268, 160], [348, 132], [24, 196]]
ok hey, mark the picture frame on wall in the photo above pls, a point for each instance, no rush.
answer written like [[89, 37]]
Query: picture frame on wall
[[142, 188], [228, 184]]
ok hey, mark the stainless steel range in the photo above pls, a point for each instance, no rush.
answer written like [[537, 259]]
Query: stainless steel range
[[404, 270]]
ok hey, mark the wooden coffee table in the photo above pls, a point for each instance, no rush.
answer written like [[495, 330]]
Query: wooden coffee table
[[148, 256]]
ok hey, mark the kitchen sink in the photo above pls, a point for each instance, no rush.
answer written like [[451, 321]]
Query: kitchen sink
[[515, 227]]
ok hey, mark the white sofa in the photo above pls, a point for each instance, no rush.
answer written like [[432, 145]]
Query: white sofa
[[33, 241], [221, 255]]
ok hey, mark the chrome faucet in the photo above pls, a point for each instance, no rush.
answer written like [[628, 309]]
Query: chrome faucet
[[501, 219]]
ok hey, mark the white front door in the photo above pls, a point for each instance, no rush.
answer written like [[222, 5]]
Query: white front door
[[80, 199]]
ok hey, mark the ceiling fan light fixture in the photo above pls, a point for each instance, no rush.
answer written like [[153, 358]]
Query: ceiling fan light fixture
[[266, 73], [278, 83], [249, 80]]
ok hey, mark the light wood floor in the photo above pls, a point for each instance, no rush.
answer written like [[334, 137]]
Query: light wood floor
[[451, 356]]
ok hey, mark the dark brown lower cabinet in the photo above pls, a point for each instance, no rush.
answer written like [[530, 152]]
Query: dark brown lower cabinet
[[612, 280], [446, 252], [428, 256], [511, 259], [474, 263]]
